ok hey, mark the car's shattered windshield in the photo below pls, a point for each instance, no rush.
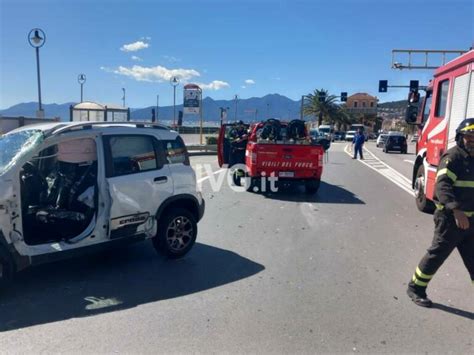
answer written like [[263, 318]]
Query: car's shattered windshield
[[15, 145]]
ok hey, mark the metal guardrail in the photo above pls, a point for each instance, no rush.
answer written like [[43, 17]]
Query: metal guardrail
[[201, 148]]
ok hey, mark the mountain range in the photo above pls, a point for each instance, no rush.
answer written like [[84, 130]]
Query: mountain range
[[252, 109]]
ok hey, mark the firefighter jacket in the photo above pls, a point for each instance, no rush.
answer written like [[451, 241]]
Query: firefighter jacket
[[455, 181]]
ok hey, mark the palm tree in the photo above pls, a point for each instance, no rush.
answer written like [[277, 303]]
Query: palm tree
[[325, 109]]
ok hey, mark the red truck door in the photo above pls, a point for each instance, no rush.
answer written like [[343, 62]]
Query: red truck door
[[223, 143]]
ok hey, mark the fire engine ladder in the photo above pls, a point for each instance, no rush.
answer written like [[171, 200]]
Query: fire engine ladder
[[415, 55]]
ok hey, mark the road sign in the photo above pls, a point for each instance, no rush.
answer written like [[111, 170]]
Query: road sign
[[192, 99]]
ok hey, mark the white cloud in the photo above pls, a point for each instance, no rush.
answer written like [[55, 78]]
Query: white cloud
[[157, 73], [243, 87], [171, 59], [138, 59], [249, 82], [215, 85], [106, 69], [146, 38], [133, 47]]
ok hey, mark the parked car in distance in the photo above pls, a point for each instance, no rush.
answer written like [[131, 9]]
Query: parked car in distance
[[395, 143], [339, 136], [381, 140], [414, 139], [350, 136]]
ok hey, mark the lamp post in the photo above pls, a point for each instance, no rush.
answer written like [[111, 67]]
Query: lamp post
[[81, 79], [123, 97], [174, 81], [37, 38], [236, 98]]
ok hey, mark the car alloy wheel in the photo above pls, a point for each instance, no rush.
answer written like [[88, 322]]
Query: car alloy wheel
[[179, 233]]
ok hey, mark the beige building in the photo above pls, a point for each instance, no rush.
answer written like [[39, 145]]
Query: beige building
[[362, 103]]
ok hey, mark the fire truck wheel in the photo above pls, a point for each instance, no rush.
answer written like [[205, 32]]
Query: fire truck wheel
[[423, 204], [236, 178], [312, 186]]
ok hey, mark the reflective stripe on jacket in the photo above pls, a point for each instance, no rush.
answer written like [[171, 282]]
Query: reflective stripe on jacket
[[455, 181]]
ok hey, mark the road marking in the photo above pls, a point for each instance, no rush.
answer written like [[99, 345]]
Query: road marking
[[208, 176], [384, 169], [409, 161]]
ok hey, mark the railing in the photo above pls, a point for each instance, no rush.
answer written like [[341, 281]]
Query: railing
[[195, 149]]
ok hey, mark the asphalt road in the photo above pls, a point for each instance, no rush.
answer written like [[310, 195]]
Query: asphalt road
[[281, 272]]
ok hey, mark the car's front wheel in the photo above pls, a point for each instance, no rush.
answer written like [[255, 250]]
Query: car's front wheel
[[177, 231]]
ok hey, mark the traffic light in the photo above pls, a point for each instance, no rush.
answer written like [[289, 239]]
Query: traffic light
[[153, 115], [343, 96], [413, 85], [322, 96], [383, 84]]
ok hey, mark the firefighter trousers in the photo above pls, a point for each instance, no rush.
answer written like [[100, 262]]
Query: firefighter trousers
[[447, 237]]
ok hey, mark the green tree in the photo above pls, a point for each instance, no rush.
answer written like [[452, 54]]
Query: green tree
[[324, 110]]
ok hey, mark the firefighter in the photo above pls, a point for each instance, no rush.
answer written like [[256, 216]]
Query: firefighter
[[238, 139], [454, 215]]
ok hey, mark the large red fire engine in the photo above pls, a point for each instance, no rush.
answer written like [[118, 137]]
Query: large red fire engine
[[449, 100]]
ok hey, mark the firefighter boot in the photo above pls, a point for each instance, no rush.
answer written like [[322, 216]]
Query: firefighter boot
[[418, 295]]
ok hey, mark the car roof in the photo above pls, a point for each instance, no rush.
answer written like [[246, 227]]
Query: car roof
[[54, 128]]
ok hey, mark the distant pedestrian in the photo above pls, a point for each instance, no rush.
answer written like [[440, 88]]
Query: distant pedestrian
[[454, 215], [358, 143]]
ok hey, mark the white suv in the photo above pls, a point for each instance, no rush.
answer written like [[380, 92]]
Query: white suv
[[69, 188]]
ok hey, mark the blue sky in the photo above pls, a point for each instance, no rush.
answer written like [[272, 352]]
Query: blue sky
[[249, 48]]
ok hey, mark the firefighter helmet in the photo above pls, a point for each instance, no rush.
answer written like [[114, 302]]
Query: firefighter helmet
[[465, 127]]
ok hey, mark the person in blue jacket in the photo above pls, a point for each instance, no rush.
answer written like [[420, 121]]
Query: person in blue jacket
[[358, 143]]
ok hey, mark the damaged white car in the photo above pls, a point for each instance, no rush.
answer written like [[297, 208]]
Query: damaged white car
[[69, 188]]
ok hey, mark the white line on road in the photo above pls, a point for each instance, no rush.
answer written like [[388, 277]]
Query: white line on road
[[385, 170], [207, 177], [409, 161]]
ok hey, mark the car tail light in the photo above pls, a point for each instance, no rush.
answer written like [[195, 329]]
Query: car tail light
[[253, 157]]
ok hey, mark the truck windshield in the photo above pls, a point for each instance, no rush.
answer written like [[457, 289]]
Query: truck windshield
[[13, 146]]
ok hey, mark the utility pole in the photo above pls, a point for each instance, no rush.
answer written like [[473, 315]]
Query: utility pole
[[157, 106], [302, 106], [123, 98], [236, 98]]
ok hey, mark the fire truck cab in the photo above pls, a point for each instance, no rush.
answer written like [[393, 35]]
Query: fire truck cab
[[449, 100]]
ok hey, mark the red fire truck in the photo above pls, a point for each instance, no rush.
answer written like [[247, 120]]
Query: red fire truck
[[449, 100], [283, 150]]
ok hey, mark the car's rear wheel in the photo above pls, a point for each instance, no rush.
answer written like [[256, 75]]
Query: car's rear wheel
[[423, 204], [177, 231], [312, 186]]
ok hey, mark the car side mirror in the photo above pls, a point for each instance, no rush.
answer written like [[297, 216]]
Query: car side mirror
[[411, 114]]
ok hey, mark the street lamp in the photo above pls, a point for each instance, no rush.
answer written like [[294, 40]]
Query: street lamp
[[81, 79], [123, 97], [37, 38], [174, 81], [236, 98]]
